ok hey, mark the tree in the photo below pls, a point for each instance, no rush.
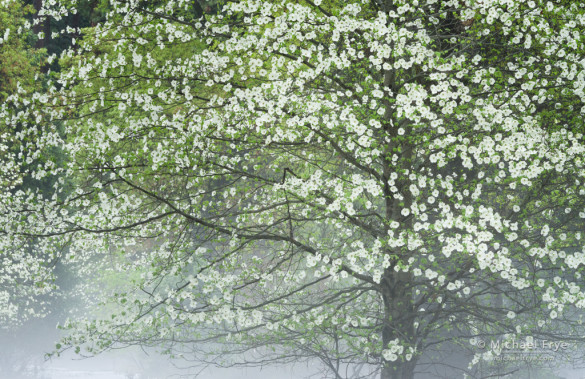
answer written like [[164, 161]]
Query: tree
[[19, 76], [18, 61], [358, 182]]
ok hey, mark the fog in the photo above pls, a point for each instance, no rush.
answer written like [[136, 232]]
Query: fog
[[22, 356]]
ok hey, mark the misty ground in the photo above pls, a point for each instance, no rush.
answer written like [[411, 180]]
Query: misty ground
[[23, 356]]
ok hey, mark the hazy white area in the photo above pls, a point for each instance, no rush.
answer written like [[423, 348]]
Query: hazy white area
[[114, 368], [22, 356]]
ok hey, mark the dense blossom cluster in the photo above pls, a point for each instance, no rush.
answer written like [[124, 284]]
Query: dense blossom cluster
[[318, 177]]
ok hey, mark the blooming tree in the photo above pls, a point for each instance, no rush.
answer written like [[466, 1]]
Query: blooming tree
[[23, 273], [356, 181]]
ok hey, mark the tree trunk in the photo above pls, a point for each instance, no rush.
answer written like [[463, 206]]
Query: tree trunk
[[43, 25], [38, 27], [399, 313], [397, 370], [398, 323]]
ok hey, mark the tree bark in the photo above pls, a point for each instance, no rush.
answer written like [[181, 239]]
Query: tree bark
[[398, 323], [43, 25]]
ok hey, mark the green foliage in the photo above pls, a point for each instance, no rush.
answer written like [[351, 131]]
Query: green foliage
[[19, 62], [356, 181]]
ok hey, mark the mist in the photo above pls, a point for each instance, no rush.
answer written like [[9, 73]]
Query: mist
[[23, 356]]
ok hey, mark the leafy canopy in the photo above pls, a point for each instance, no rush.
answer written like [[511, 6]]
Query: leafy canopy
[[356, 181]]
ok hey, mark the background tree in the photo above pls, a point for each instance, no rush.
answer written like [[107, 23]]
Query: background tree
[[32, 282], [359, 182], [19, 73]]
